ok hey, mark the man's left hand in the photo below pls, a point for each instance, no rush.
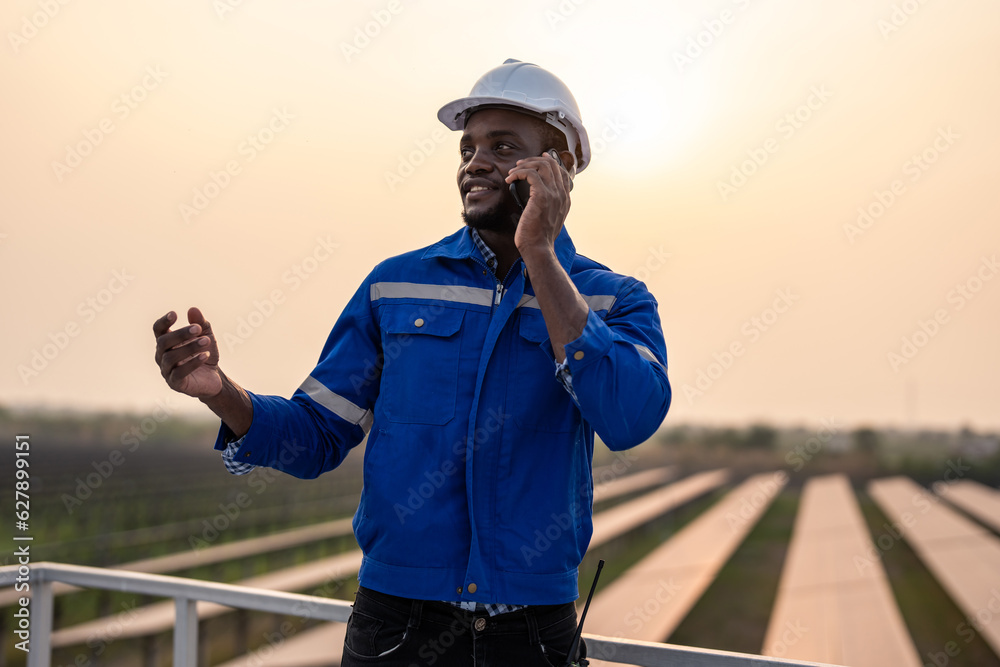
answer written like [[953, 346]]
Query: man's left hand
[[547, 207]]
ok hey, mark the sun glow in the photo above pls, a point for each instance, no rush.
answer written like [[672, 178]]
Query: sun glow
[[646, 120]]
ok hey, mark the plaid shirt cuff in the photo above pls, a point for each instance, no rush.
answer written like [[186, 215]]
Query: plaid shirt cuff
[[229, 459], [565, 377]]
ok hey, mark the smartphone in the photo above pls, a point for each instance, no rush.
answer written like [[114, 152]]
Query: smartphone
[[520, 189]]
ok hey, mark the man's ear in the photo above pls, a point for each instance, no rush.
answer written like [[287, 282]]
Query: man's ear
[[569, 161]]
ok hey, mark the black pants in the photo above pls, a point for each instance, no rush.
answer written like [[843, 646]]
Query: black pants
[[398, 632]]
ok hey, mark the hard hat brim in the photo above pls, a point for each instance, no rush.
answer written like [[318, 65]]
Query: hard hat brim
[[455, 113]]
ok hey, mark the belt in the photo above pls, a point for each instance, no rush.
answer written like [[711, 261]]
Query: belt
[[442, 613]]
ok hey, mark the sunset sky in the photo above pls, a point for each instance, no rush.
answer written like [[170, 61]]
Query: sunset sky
[[836, 162]]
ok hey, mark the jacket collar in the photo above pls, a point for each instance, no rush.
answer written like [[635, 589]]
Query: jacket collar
[[460, 245]]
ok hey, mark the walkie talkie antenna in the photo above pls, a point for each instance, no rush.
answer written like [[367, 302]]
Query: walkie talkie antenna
[[571, 659]]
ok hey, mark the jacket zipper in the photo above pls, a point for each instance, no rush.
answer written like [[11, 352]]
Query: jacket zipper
[[501, 283], [498, 293]]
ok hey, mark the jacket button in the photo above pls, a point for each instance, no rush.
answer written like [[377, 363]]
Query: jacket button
[[246, 455], [480, 624], [459, 590], [578, 355], [419, 322], [472, 588]]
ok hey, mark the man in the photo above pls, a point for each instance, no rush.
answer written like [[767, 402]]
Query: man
[[480, 368]]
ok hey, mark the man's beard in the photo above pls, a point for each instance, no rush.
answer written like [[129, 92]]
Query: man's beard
[[502, 218]]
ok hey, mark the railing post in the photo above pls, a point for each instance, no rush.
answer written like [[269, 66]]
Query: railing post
[[40, 653], [185, 632]]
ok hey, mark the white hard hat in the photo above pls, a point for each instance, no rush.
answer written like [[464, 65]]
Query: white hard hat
[[526, 87]]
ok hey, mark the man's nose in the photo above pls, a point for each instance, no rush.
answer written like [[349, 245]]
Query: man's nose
[[478, 163]]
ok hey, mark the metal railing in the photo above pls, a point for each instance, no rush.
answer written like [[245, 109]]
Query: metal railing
[[186, 593]]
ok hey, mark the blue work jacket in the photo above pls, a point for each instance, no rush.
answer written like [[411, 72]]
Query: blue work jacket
[[477, 471]]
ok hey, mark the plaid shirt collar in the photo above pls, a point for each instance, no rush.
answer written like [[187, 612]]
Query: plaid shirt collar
[[487, 252]]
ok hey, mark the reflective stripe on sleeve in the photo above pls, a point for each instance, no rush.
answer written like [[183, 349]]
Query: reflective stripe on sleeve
[[337, 404], [645, 353], [594, 301]]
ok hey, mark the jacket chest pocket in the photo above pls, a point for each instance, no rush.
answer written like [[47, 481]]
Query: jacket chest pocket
[[420, 348], [549, 408]]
